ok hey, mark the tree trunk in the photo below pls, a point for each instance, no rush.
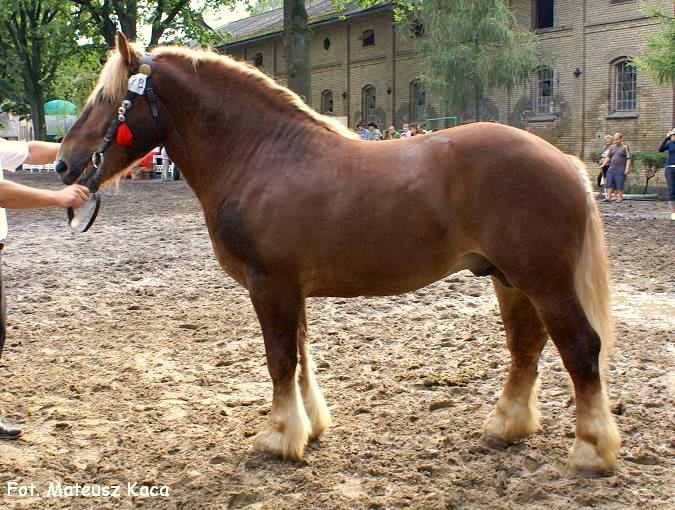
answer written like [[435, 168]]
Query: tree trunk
[[297, 39], [649, 174], [37, 117]]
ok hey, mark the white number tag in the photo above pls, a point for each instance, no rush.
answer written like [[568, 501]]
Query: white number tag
[[137, 84]]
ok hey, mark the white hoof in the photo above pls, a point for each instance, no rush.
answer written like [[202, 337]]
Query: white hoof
[[285, 440], [599, 457], [507, 424]]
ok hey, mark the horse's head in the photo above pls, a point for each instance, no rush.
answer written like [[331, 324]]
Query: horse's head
[[117, 126]]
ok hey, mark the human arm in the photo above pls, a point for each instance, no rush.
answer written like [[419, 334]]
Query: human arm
[[17, 196], [629, 160], [664, 144], [41, 153]]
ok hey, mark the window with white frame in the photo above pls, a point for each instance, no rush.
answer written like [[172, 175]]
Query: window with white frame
[[625, 90], [327, 102], [369, 104], [543, 92]]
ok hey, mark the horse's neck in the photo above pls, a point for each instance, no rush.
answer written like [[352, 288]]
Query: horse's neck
[[224, 125]]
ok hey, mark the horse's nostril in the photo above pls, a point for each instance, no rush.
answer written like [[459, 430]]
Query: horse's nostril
[[60, 167]]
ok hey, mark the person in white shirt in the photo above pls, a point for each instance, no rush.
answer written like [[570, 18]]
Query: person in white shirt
[[17, 196]]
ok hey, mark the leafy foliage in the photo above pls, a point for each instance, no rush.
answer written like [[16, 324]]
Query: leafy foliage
[[169, 20], [76, 76], [261, 6], [659, 54], [652, 162], [32, 45], [470, 47]]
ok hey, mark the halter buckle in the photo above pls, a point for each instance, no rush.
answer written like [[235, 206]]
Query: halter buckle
[[97, 159]]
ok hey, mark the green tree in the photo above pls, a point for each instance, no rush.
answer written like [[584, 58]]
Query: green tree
[[168, 19], [77, 75], [659, 54], [261, 6], [470, 47], [35, 36]]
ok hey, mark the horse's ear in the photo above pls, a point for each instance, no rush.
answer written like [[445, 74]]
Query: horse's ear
[[123, 48]]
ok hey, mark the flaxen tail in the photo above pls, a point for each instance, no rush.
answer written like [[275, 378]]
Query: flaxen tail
[[592, 279]]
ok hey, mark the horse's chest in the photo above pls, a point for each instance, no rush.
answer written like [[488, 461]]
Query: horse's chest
[[233, 242]]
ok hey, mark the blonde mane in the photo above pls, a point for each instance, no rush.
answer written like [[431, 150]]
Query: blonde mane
[[112, 83]]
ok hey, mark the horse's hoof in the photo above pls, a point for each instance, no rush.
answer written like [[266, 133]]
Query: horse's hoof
[[494, 442], [585, 460], [320, 422], [499, 431], [282, 441]]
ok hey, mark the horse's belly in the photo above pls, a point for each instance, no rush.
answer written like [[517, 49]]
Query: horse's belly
[[385, 278]]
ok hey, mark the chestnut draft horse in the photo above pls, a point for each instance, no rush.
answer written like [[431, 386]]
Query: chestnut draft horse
[[297, 206]]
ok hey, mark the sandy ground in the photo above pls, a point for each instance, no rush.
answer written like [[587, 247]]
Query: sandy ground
[[132, 357]]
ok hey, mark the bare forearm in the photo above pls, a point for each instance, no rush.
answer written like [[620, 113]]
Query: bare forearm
[[41, 153], [16, 196]]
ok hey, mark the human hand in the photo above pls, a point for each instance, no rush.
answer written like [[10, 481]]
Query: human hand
[[72, 196]]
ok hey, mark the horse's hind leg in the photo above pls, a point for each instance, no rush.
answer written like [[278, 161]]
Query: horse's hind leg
[[517, 415], [597, 437], [315, 405], [278, 306]]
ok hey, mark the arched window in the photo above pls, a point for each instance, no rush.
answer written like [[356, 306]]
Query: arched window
[[369, 104], [327, 102], [625, 90], [368, 38], [543, 91], [258, 59], [418, 101], [326, 43]]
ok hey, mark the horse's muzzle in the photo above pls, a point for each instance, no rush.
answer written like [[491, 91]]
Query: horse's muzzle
[[90, 177], [68, 176]]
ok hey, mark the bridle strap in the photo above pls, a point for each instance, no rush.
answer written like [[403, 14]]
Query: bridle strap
[[145, 67], [150, 94]]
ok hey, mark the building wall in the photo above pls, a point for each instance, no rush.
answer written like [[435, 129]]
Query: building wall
[[587, 37]]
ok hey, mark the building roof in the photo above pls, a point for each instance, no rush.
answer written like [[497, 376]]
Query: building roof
[[272, 22]]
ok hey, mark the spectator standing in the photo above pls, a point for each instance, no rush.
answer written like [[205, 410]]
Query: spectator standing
[[602, 176], [405, 132], [668, 145], [391, 133], [375, 134], [420, 129], [363, 132], [16, 196], [618, 160]]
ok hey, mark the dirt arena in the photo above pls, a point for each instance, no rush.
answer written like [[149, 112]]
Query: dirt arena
[[131, 357]]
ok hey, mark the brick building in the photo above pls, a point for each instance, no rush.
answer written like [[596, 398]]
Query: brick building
[[365, 68]]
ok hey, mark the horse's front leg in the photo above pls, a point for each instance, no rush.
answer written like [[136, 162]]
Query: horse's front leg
[[279, 307]]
